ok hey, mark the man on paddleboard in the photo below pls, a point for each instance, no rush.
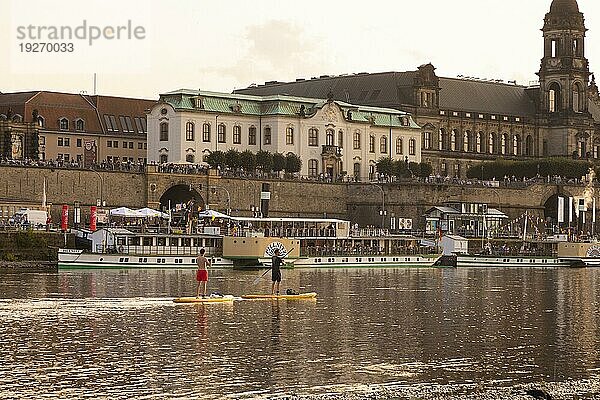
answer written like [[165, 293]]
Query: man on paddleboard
[[202, 273], [276, 262]]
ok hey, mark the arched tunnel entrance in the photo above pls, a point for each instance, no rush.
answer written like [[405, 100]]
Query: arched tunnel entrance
[[184, 201]]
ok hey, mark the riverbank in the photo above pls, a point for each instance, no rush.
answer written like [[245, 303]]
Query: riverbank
[[28, 266]]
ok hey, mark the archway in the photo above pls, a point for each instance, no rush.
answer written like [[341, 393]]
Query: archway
[[184, 201]]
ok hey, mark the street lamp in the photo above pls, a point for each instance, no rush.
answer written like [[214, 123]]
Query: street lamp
[[101, 186], [382, 212]]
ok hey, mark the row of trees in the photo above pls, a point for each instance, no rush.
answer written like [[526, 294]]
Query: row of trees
[[556, 166], [402, 169], [263, 160]]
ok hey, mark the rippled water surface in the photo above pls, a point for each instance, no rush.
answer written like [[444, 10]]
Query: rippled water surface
[[117, 334]]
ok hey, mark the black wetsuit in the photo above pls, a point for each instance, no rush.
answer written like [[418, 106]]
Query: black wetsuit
[[275, 268]]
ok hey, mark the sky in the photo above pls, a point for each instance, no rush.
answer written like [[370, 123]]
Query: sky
[[226, 45]]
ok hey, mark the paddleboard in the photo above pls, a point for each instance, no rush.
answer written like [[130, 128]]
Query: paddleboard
[[300, 296], [216, 299]]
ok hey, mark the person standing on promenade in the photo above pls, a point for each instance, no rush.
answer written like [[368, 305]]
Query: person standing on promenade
[[202, 273], [276, 262]]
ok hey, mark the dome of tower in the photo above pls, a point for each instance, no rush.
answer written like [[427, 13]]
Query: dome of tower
[[564, 7]]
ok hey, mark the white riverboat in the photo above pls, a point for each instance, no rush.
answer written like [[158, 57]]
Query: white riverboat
[[493, 261]]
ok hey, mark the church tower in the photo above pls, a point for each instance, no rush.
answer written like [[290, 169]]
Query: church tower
[[564, 78]]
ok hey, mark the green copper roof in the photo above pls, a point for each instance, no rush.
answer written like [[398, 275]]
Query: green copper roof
[[225, 103]]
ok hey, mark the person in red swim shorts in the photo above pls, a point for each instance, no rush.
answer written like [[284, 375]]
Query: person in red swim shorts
[[202, 273]]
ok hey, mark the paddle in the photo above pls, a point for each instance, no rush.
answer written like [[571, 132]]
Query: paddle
[[264, 273]]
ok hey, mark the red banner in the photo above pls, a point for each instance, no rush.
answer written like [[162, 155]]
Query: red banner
[[93, 218], [64, 218]]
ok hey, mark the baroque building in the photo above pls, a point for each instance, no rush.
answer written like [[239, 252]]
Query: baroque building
[[332, 138], [466, 120]]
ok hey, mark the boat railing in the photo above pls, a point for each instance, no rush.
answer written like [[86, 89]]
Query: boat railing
[[362, 251], [165, 250]]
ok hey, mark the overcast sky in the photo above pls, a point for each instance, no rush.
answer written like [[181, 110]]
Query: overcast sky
[[223, 45]]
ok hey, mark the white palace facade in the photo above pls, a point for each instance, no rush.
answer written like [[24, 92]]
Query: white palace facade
[[331, 137]]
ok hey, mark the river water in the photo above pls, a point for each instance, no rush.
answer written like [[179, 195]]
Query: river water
[[372, 333]]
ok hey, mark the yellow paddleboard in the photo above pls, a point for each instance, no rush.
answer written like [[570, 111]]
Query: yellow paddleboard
[[300, 296], [222, 299]]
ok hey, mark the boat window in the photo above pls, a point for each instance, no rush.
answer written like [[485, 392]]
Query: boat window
[[173, 241], [187, 242], [162, 241], [147, 241]]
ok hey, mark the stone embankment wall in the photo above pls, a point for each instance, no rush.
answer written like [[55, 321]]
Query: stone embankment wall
[[32, 245]]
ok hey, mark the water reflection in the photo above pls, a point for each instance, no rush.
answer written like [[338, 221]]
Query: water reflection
[[117, 334]]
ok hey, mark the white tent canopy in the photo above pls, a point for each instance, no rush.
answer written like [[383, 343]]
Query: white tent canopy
[[212, 214], [125, 212], [150, 213]]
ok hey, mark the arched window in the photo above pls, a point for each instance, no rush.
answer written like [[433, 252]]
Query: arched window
[[466, 141], [189, 131], [313, 167], [577, 98], [252, 135], [222, 133], [163, 158], [383, 144], [554, 99], [492, 143], [442, 139], [357, 172], [503, 143], [63, 124], [479, 142], [313, 137], [356, 140], [399, 149], [453, 140], [267, 135], [189, 158], [206, 132], [41, 121], [329, 135], [516, 145], [164, 131], [529, 145], [79, 125], [412, 147]]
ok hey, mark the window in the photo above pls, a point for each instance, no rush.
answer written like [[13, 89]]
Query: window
[[140, 146], [357, 172], [356, 140], [453, 140], [221, 133], [189, 158], [126, 125], [131, 145], [164, 131], [124, 145], [554, 98], [399, 146], [313, 137], [554, 48], [576, 98], [442, 139], [252, 135], [41, 121], [115, 144], [110, 122], [43, 140], [383, 144], [289, 135], [341, 139], [59, 142], [492, 143], [329, 133], [237, 134], [109, 143], [63, 124], [516, 145], [129, 124], [371, 144], [67, 142], [466, 141], [79, 125], [79, 142], [313, 167], [267, 135], [189, 131], [412, 147], [163, 158], [206, 132], [479, 142], [140, 124], [529, 145], [503, 143], [426, 140]]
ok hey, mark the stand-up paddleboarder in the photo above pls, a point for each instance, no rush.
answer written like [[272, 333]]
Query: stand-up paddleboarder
[[202, 273]]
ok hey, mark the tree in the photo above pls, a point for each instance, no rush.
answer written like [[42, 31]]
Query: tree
[[425, 170], [293, 163], [215, 159], [264, 160], [247, 160], [232, 158], [385, 166], [278, 162]]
